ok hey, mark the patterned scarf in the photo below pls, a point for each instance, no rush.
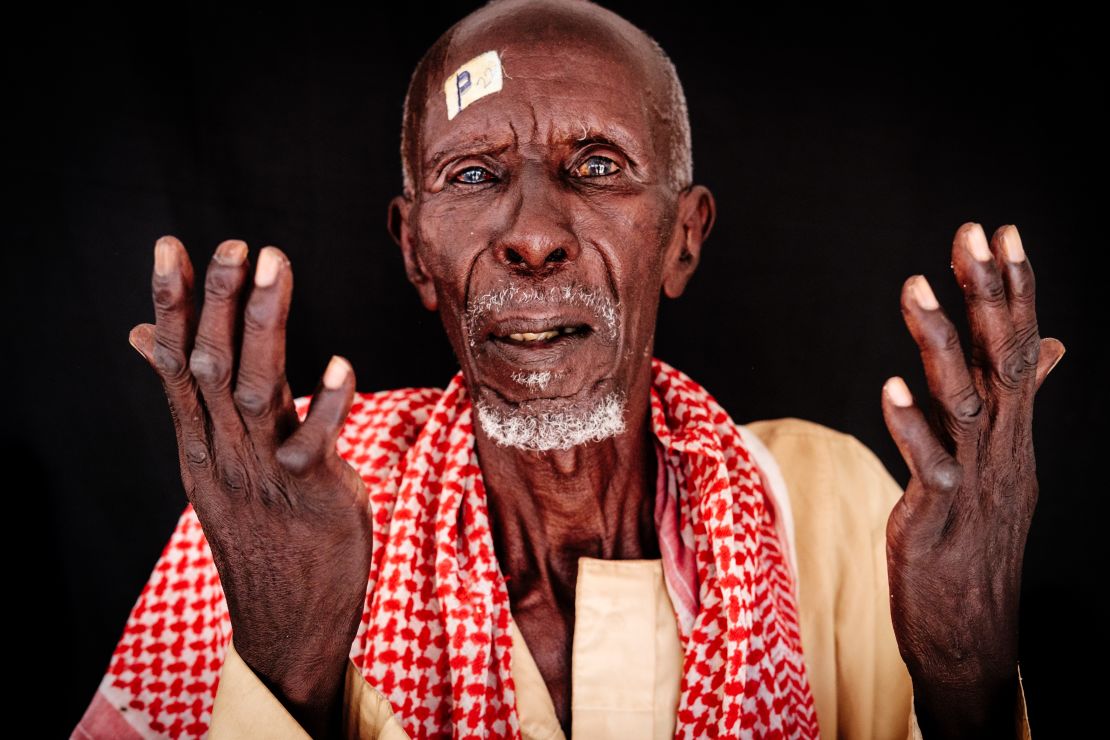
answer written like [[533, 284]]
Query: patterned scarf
[[435, 637]]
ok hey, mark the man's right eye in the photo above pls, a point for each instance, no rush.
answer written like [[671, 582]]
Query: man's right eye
[[472, 176]]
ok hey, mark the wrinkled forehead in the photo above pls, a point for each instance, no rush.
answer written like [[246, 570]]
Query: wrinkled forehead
[[538, 91]]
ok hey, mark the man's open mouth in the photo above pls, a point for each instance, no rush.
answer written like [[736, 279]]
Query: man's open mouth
[[538, 328], [561, 340], [544, 336]]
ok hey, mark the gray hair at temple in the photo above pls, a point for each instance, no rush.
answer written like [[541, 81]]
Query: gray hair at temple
[[673, 111]]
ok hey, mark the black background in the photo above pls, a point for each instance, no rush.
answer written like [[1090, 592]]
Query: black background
[[844, 152]]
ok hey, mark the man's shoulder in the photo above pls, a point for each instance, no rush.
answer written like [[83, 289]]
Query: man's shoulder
[[793, 431], [793, 426], [804, 448]]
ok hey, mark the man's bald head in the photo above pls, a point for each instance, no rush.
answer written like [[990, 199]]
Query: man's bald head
[[664, 93]]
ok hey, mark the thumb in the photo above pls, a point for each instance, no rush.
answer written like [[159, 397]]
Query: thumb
[[1051, 352], [314, 440], [141, 338]]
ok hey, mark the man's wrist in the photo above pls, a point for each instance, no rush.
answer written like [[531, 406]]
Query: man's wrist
[[314, 699], [310, 688], [953, 709]]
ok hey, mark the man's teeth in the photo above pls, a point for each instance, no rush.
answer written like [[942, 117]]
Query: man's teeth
[[529, 336]]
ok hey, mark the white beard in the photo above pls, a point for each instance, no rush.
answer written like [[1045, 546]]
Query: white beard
[[554, 430]]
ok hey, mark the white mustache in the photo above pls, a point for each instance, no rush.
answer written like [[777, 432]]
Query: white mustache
[[593, 299]]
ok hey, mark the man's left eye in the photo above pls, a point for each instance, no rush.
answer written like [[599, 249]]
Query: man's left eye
[[597, 166]]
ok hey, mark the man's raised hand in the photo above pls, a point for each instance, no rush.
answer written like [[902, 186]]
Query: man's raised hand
[[956, 538], [284, 514]]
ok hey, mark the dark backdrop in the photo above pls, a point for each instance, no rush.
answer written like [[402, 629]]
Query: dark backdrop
[[844, 152]]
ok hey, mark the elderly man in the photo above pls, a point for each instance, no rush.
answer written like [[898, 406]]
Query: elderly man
[[572, 537]]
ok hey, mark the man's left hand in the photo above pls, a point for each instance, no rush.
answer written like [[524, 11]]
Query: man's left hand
[[956, 538]]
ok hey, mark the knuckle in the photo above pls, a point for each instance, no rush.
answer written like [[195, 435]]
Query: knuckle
[[1008, 362], [1011, 369], [209, 368], [196, 454], [296, 459], [945, 337], [166, 296], [943, 475], [257, 317], [966, 407], [170, 362], [252, 402], [219, 285], [1025, 286], [233, 477], [1024, 297], [992, 292]]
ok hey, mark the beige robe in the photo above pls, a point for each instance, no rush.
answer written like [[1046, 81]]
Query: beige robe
[[626, 653]]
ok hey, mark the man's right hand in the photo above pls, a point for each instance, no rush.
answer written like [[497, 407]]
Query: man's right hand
[[285, 516]]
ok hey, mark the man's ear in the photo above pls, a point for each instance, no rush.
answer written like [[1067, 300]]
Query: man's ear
[[399, 226], [697, 212]]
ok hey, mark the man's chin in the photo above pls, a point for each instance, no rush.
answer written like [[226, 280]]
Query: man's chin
[[549, 395], [553, 423]]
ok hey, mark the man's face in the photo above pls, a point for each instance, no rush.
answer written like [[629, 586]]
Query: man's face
[[543, 225]]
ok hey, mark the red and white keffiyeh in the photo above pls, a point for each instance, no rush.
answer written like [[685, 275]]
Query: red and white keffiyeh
[[435, 635]]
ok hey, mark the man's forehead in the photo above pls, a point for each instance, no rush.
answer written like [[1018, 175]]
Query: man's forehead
[[536, 91]]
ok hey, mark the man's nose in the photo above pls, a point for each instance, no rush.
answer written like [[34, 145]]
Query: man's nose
[[537, 236]]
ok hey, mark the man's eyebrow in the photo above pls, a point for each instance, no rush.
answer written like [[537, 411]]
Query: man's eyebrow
[[613, 136], [474, 146]]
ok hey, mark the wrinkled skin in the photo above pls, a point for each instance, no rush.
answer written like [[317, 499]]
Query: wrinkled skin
[[284, 515], [547, 198], [956, 538]]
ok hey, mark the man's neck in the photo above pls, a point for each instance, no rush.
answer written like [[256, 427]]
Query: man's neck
[[548, 509]]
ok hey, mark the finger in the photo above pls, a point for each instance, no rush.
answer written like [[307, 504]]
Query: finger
[[939, 474], [166, 347], [175, 314], [141, 337], [1021, 296], [260, 394], [212, 360], [946, 372], [313, 444], [995, 353], [1052, 351]]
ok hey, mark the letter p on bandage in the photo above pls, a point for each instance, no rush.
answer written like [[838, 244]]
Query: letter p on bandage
[[475, 79]]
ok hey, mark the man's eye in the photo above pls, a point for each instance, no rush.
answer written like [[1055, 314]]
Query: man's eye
[[472, 175], [597, 166]]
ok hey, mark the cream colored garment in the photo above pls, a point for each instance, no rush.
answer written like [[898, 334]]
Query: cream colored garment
[[626, 653]]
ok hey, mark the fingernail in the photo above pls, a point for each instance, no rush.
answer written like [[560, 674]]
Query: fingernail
[[923, 294], [1012, 241], [977, 243], [268, 264], [231, 253], [897, 392], [336, 372], [164, 256], [1063, 350], [131, 335]]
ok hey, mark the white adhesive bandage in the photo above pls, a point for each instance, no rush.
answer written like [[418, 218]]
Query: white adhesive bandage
[[475, 79]]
